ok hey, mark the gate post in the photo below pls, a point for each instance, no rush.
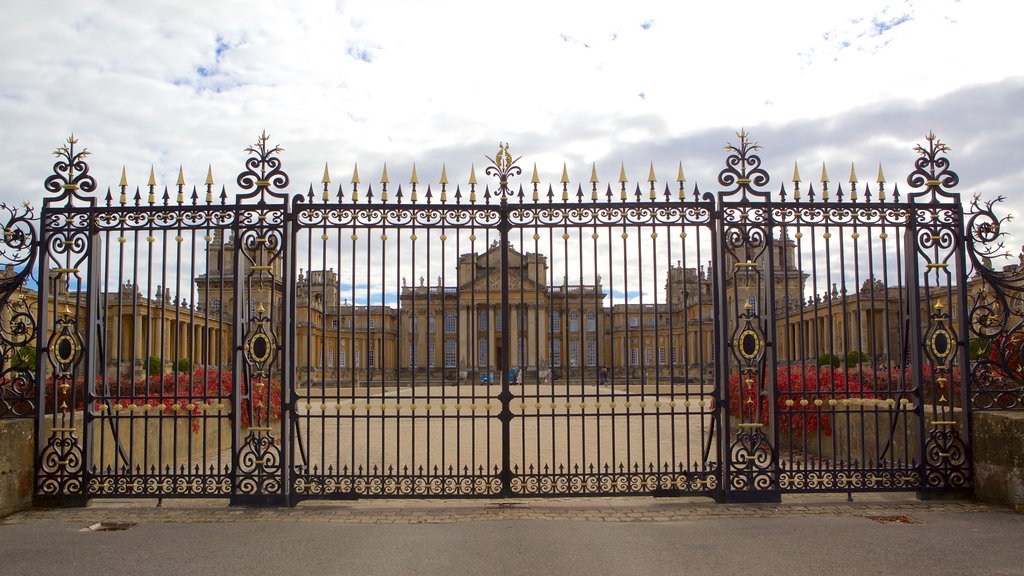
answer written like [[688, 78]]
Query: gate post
[[62, 457], [502, 167], [259, 367], [746, 336], [939, 348]]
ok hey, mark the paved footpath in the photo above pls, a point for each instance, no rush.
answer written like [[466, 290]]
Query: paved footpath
[[875, 534]]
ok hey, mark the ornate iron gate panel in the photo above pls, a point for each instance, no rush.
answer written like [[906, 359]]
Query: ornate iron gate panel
[[624, 339]]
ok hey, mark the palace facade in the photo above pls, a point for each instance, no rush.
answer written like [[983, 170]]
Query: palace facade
[[451, 331]]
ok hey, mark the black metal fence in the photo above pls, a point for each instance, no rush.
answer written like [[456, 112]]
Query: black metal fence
[[518, 340]]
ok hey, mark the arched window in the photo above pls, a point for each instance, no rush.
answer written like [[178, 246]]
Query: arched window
[[591, 321], [574, 322], [450, 322]]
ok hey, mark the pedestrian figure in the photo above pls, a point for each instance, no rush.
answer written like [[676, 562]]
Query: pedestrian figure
[[602, 376]]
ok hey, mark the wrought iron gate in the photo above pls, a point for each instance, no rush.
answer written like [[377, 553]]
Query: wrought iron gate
[[520, 341]]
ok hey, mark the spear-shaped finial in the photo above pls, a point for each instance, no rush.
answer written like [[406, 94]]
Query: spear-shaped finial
[[622, 180], [209, 184], [796, 182], [472, 183], [181, 185], [681, 179], [413, 180], [326, 181], [565, 183], [824, 182], [881, 183], [535, 180], [384, 181], [853, 182], [124, 186], [444, 183], [355, 182], [651, 179]]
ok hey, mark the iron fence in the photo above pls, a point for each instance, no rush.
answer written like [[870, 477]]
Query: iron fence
[[628, 338]]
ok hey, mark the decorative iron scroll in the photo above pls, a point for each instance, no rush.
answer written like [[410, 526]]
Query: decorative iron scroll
[[996, 312], [18, 249]]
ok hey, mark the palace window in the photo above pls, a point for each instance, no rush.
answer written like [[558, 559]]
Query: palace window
[[431, 322], [450, 357], [330, 357], [450, 322], [343, 358], [661, 355], [591, 321], [574, 353], [556, 352], [372, 324], [430, 353], [412, 353], [634, 322], [481, 352], [574, 322], [651, 322], [215, 305], [648, 357], [556, 321], [634, 356], [481, 319], [591, 352], [372, 356]]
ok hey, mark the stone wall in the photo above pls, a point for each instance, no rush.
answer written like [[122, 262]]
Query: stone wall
[[999, 458], [17, 445]]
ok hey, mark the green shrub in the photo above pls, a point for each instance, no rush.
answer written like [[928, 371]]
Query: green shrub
[[155, 365], [183, 365], [826, 359], [855, 357]]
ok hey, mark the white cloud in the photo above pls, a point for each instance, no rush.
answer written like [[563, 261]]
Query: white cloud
[[170, 83]]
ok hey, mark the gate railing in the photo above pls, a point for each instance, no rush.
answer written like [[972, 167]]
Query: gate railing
[[191, 345]]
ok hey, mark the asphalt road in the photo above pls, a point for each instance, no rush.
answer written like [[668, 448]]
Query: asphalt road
[[978, 542]]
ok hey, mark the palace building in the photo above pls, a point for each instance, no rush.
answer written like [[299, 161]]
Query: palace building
[[444, 331]]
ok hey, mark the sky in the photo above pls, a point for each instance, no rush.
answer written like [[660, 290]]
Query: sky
[[190, 85]]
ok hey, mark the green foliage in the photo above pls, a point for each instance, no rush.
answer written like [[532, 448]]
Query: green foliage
[[183, 365], [155, 365], [826, 359], [855, 357], [24, 358], [978, 348]]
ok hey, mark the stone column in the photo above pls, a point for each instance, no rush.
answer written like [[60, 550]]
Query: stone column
[[532, 344], [514, 330], [490, 336]]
